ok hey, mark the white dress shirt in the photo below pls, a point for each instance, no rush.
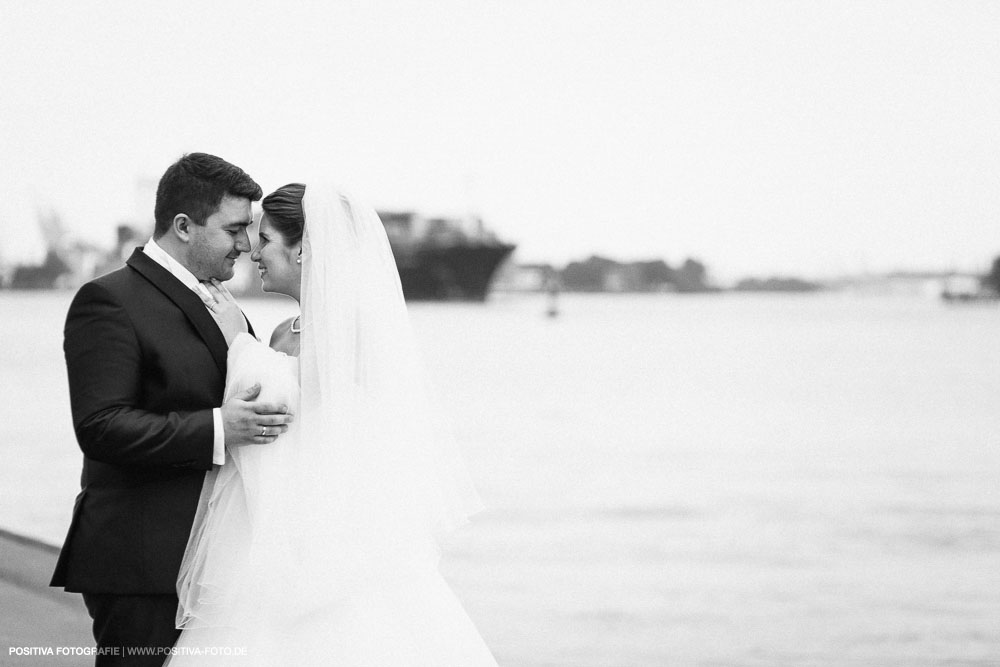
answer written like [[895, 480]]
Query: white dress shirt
[[160, 256]]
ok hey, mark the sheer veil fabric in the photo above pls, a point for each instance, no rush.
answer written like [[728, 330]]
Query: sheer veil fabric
[[362, 387], [323, 547]]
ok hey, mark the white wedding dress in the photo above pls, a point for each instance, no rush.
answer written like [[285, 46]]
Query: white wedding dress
[[322, 548]]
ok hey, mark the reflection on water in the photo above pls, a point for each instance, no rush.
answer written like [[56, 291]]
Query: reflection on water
[[724, 480]]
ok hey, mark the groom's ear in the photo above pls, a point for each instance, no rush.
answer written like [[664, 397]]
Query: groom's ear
[[181, 227]]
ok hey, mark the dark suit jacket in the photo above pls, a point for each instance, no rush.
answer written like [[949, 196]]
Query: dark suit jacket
[[146, 365]]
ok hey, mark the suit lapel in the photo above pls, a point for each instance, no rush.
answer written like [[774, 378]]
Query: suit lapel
[[187, 301]]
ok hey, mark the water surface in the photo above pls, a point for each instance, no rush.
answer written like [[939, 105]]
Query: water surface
[[672, 480]]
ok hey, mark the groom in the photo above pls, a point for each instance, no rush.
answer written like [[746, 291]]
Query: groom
[[146, 361]]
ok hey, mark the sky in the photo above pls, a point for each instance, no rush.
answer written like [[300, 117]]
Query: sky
[[811, 138]]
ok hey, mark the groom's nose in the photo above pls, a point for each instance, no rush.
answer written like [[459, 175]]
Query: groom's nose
[[243, 241]]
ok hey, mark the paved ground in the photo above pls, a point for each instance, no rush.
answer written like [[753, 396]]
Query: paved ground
[[33, 615]]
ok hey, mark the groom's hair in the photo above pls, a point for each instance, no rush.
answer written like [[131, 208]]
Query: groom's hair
[[195, 186]]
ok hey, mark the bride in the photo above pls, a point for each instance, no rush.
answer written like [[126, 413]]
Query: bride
[[322, 548]]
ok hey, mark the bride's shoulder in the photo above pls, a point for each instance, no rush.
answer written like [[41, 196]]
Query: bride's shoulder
[[285, 339], [281, 331]]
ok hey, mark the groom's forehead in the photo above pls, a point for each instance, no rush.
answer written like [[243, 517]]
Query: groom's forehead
[[233, 211]]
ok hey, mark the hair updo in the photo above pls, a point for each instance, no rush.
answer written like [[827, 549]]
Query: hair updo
[[284, 209]]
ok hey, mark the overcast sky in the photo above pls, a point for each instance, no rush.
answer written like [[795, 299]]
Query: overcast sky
[[761, 137]]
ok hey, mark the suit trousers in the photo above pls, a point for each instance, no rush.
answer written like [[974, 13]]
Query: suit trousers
[[133, 629]]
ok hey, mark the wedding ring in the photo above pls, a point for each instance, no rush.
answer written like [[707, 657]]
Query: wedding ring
[[263, 431]]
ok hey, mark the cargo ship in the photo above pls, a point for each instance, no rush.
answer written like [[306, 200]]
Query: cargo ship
[[444, 259]]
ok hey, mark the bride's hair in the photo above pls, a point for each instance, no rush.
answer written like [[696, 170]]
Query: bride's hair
[[284, 208]]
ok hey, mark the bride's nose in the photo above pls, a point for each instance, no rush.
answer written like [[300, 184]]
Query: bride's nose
[[255, 254]]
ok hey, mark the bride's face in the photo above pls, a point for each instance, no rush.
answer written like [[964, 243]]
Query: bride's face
[[280, 269]]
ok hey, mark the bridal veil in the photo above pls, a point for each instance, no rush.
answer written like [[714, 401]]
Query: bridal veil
[[374, 456]]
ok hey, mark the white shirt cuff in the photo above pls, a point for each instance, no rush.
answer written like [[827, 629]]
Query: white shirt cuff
[[219, 443]]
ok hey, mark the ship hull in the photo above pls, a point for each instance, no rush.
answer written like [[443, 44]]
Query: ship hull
[[450, 273]]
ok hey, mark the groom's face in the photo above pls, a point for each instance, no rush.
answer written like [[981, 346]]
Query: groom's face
[[216, 244]]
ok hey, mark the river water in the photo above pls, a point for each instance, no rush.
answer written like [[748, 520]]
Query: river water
[[672, 480]]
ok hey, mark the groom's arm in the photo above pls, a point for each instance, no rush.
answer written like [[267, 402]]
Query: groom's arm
[[103, 362]]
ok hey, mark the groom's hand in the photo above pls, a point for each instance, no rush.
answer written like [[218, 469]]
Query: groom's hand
[[247, 421]]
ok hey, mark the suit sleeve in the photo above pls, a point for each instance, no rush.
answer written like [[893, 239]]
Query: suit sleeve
[[103, 362]]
